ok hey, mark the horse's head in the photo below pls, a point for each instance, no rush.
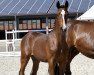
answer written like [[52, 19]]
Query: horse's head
[[61, 14]]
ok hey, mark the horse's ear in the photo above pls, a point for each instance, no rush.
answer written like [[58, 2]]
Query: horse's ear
[[66, 4], [58, 4]]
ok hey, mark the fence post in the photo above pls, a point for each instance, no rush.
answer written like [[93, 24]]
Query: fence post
[[10, 43], [47, 30]]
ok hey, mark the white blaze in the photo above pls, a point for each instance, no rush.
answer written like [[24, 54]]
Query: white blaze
[[63, 14]]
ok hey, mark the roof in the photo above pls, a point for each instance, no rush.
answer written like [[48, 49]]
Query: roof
[[33, 7]]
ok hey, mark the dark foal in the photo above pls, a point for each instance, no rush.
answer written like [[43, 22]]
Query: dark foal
[[43, 47]]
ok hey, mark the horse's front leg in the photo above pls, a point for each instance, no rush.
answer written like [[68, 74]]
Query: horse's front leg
[[57, 69], [62, 67], [24, 61], [63, 62], [35, 66], [51, 67], [72, 54]]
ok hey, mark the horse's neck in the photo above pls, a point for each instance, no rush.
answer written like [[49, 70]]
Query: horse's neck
[[57, 30]]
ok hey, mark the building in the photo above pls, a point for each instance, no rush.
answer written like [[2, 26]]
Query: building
[[35, 14]]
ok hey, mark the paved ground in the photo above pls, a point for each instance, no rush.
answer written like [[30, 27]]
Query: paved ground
[[80, 65], [11, 65]]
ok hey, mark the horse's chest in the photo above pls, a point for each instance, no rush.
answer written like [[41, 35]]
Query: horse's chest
[[53, 43]]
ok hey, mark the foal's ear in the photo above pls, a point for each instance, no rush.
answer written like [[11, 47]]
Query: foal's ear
[[58, 4], [66, 4]]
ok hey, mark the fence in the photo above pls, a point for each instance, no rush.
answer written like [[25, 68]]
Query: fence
[[10, 43]]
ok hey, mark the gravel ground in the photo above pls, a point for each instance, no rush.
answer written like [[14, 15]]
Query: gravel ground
[[80, 65]]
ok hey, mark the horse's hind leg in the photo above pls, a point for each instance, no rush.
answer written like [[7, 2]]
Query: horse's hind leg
[[24, 61], [35, 66]]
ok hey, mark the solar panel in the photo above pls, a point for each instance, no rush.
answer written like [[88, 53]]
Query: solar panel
[[74, 7], [26, 8], [9, 7], [4, 4], [18, 6], [84, 5], [1, 1], [92, 3], [36, 7], [14, 7], [53, 8], [70, 4], [46, 6]]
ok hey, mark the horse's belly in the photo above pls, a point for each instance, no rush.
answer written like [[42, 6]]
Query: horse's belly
[[40, 55], [39, 50], [85, 46]]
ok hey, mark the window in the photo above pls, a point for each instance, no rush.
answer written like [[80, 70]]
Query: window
[[52, 22], [11, 25], [38, 24], [1, 25], [43, 23], [25, 25], [29, 24], [34, 24], [6, 25]]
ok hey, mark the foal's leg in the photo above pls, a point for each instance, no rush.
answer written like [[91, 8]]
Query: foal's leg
[[56, 69], [35, 66], [24, 61], [72, 54], [51, 67], [62, 67], [63, 60]]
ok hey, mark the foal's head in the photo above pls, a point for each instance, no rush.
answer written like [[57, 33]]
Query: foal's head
[[61, 14]]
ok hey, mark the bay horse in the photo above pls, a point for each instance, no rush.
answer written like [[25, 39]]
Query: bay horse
[[79, 38], [43, 47]]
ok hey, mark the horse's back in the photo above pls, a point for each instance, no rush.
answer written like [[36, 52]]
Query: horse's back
[[81, 27], [28, 40], [30, 36]]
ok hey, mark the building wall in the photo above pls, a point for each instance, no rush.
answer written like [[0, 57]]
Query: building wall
[[24, 24]]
